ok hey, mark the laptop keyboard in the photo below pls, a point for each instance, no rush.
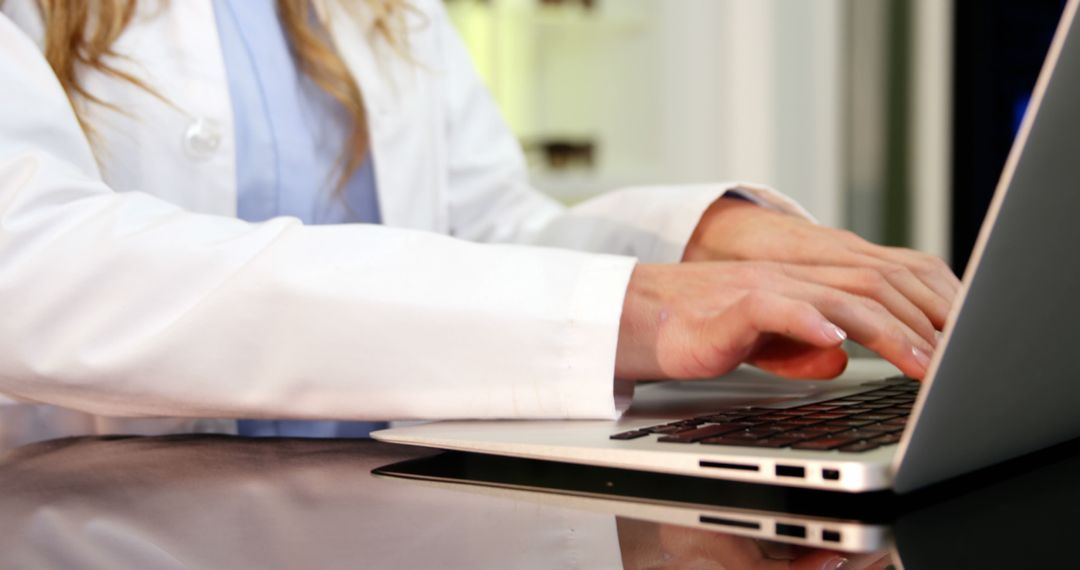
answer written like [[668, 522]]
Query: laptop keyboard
[[853, 423]]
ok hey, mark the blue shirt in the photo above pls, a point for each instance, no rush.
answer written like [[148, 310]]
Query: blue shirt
[[289, 140]]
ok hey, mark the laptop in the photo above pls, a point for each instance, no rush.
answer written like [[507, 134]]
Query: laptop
[[1016, 515], [1004, 381]]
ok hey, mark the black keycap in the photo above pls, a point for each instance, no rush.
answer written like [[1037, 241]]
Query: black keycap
[[785, 426], [817, 408], [772, 443], [630, 434], [877, 417], [824, 443], [821, 429], [668, 429], [859, 446], [882, 428], [719, 418], [803, 421], [888, 438], [754, 411], [825, 416], [859, 434], [760, 432], [799, 435], [772, 417], [849, 423], [697, 434]]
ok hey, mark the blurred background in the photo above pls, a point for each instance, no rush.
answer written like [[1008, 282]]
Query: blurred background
[[889, 117]]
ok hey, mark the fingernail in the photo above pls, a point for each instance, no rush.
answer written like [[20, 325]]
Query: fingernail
[[834, 333], [921, 356], [834, 563]]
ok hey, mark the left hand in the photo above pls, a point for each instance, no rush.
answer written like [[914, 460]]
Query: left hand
[[921, 287]]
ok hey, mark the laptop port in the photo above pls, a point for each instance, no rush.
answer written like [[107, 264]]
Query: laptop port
[[830, 474], [830, 535], [729, 522], [790, 471], [734, 466], [793, 530]]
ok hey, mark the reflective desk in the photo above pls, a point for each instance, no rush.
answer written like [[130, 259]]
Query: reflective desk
[[225, 502]]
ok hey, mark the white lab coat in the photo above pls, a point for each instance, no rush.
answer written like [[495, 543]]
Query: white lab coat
[[128, 288]]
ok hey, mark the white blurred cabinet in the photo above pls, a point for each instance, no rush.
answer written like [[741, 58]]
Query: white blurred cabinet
[[672, 91]]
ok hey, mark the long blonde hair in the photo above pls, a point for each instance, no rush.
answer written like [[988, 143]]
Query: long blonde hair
[[79, 34]]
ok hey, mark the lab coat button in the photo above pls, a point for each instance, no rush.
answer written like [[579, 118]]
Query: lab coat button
[[202, 138]]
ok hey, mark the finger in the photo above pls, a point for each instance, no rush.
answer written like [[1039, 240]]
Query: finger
[[929, 268], [820, 560], [933, 305], [759, 313], [790, 359], [932, 270], [870, 283], [867, 322], [732, 335]]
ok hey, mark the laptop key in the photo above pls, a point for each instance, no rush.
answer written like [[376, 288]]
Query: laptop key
[[877, 417], [859, 447], [825, 443], [697, 434], [630, 434], [772, 417], [889, 438], [882, 428], [803, 421], [801, 435], [859, 434], [761, 432], [821, 429], [719, 418], [667, 429], [854, 410], [825, 416], [816, 408], [849, 423], [773, 443]]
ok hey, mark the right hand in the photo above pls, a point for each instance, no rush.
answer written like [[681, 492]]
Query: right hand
[[702, 320]]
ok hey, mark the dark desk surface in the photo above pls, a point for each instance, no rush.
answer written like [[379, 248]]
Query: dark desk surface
[[225, 502]]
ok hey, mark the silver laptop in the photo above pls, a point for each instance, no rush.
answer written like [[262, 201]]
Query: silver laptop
[[1004, 382]]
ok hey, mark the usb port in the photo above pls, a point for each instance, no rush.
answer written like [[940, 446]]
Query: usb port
[[790, 471]]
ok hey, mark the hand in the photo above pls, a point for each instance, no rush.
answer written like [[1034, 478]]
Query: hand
[[700, 320], [922, 287]]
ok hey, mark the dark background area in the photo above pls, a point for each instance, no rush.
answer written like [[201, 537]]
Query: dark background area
[[1000, 47]]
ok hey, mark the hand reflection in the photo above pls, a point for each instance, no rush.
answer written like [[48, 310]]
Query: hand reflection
[[656, 545]]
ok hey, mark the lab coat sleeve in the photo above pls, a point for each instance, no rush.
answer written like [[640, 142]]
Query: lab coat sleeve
[[491, 199], [121, 304]]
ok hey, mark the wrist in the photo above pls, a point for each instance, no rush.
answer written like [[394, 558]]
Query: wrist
[[709, 242]]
